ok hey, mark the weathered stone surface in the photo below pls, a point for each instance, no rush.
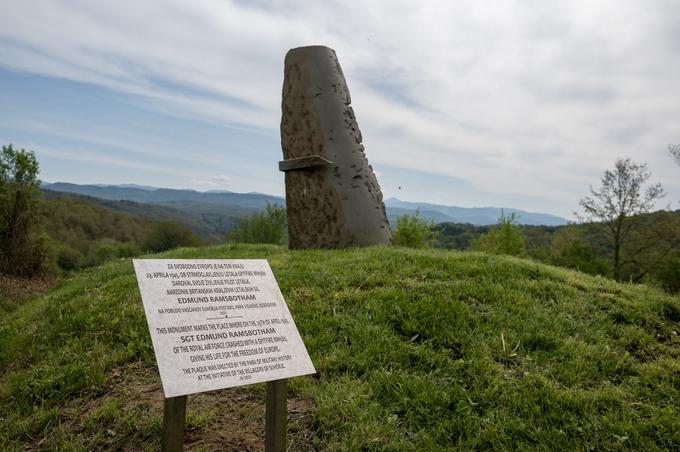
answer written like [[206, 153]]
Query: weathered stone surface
[[329, 205]]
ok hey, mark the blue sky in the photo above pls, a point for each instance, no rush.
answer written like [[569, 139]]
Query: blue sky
[[512, 103]]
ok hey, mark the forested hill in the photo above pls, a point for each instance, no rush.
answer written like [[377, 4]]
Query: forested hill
[[83, 232], [152, 212]]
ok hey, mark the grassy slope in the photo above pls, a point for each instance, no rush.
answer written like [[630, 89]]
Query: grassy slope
[[409, 348]]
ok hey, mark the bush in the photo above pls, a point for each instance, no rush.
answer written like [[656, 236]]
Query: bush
[[108, 249], [414, 232], [261, 227], [505, 238], [68, 258], [127, 249], [669, 274], [166, 235]]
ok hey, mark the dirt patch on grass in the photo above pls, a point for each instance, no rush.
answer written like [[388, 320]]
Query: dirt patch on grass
[[127, 414], [238, 423], [14, 290]]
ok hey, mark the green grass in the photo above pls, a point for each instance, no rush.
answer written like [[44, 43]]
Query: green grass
[[424, 350]]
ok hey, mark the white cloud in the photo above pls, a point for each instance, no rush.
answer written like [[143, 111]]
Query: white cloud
[[87, 155], [215, 182], [528, 98]]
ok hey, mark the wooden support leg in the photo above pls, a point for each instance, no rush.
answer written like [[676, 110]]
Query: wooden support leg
[[276, 416], [174, 415]]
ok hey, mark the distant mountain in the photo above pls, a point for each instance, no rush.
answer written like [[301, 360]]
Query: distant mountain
[[168, 196], [473, 215], [219, 210]]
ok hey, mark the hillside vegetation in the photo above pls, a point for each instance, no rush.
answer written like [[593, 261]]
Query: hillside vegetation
[[152, 212], [85, 233], [652, 254], [414, 349], [83, 229], [212, 213]]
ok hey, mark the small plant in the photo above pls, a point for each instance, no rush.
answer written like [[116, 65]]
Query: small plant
[[505, 238], [508, 354], [414, 232]]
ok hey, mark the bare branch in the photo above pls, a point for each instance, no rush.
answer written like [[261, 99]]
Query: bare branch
[[674, 151]]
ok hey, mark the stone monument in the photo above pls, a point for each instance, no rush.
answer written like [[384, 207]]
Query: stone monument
[[332, 195]]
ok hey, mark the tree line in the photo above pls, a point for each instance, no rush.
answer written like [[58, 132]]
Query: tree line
[[619, 234]]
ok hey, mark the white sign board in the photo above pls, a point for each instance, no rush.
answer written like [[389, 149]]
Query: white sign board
[[218, 323]]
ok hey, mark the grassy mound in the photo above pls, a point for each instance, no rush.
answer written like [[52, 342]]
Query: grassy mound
[[423, 350]]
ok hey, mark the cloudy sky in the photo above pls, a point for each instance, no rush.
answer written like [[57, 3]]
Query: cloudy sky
[[472, 103]]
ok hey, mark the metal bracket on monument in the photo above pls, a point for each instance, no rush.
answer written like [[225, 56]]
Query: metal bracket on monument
[[303, 163]]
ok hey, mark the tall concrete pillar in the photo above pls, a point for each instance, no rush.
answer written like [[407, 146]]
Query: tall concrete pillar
[[332, 195]]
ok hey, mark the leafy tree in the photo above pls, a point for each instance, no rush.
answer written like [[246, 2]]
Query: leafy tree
[[261, 227], [22, 248], [617, 203], [166, 235], [571, 248], [650, 245], [414, 232], [538, 240], [505, 238]]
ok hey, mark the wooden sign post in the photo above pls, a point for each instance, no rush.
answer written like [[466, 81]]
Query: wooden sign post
[[220, 323], [276, 416], [174, 416]]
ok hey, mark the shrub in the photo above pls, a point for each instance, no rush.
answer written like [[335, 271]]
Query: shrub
[[166, 235], [669, 274], [68, 258], [261, 227], [127, 249], [414, 232]]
